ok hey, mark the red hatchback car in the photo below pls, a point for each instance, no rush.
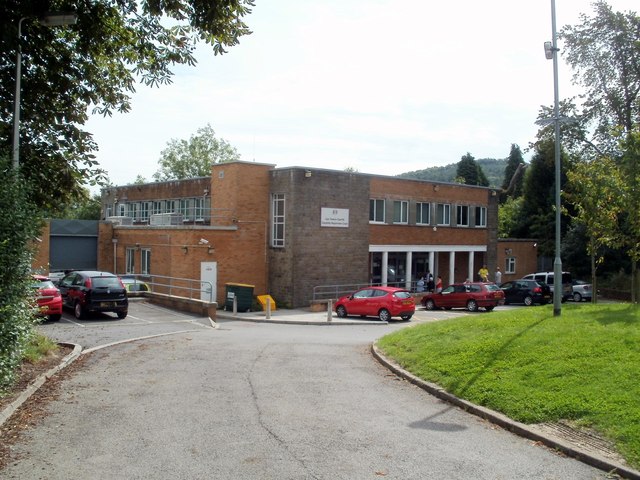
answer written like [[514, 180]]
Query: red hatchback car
[[48, 298], [471, 296], [381, 302]]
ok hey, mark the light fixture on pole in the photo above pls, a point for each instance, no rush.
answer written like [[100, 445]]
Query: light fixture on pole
[[49, 20]]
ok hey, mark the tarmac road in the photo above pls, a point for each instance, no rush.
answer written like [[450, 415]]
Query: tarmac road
[[261, 401]]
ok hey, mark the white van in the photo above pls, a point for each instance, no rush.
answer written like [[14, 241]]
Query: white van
[[548, 278]]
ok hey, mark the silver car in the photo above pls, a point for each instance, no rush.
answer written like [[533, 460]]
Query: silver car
[[581, 290]]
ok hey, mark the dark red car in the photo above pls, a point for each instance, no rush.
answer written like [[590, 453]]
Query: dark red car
[[48, 298], [381, 302], [471, 296]]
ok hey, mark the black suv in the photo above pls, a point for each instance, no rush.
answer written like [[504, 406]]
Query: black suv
[[89, 291]]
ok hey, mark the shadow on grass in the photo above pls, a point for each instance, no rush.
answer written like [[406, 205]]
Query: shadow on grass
[[628, 316]]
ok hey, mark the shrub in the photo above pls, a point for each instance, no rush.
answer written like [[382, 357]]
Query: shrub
[[19, 225]]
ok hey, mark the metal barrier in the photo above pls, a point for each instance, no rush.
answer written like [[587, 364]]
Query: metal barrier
[[175, 286]]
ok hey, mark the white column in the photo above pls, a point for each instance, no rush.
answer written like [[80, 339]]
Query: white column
[[385, 267], [432, 265], [470, 274], [408, 276], [452, 266]]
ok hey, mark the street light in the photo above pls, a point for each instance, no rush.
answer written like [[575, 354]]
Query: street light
[[49, 20], [551, 53]]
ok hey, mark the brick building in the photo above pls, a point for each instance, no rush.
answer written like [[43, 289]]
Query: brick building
[[288, 231]]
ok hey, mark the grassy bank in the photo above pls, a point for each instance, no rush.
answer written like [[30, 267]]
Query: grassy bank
[[583, 366]]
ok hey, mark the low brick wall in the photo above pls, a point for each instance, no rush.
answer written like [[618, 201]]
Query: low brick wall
[[183, 304]]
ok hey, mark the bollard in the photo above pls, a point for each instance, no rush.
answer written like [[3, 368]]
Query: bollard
[[235, 305], [329, 310], [268, 308]]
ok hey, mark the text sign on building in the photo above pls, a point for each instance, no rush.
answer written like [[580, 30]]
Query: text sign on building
[[334, 217]]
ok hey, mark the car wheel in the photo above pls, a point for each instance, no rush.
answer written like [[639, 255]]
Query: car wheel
[[430, 305], [406, 317], [341, 311], [122, 315], [577, 297], [488, 309], [528, 301], [78, 311], [384, 315], [55, 318], [472, 305]]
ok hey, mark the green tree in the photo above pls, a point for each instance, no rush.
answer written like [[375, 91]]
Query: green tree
[[19, 223], [604, 53], [94, 67], [194, 157], [509, 215], [469, 172], [88, 207], [595, 189], [513, 174]]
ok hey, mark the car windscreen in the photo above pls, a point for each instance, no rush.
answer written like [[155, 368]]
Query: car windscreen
[[105, 282], [492, 287], [43, 284]]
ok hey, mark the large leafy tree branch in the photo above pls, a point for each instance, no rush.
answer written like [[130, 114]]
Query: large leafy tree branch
[[94, 67]]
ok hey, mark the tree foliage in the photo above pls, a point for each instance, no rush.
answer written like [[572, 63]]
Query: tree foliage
[[94, 66], [470, 173], [194, 157], [19, 224], [513, 176]]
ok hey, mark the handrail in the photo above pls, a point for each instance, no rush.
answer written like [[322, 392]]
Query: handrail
[[326, 292], [174, 286]]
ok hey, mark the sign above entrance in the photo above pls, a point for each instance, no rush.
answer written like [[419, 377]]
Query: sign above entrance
[[334, 217]]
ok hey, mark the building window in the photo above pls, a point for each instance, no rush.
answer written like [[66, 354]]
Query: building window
[[401, 212], [443, 214], [510, 265], [198, 209], [277, 220], [144, 210], [481, 216], [423, 213], [376, 211], [122, 210], [157, 207], [185, 208], [170, 206], [462, 215], [130, 260], [145, 260]]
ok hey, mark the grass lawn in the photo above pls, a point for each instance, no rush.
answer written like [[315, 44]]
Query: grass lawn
[[583, 366]]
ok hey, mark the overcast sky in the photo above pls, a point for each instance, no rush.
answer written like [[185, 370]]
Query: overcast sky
[[381, 86]]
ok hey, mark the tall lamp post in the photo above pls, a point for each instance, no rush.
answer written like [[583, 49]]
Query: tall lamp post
[[551, 52], [49, 20]]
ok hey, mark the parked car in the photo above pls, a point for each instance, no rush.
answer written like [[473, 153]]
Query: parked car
[[48, 298], [381, 302], [469, 295], [92, 291], [582, 290], [548, 278], [132, 284], [526, 291]]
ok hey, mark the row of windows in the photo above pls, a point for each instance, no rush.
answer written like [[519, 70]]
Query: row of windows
[[465, 215], [145, 261], [196, 208]]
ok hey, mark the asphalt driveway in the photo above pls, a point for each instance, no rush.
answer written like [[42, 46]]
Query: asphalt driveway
[[264, 401]]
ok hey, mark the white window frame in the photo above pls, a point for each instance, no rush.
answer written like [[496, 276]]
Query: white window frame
[[130, 260], [510, 265], [145, 261], [400, 212], [462, 215], [278, 207], [481, 217], [443, 214], [377, 207], [421, 209], [198, 209]]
